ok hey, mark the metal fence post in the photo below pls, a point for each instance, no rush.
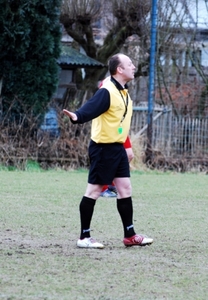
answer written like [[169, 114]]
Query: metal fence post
[[149, 152]]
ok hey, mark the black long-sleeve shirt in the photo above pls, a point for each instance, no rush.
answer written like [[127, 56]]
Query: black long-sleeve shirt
[[110, 110], [94, 107]]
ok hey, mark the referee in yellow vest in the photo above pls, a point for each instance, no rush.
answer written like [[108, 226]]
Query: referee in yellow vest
[[110, 110]]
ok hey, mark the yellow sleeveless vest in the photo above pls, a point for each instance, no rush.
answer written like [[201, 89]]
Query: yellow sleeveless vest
[[105, 128]]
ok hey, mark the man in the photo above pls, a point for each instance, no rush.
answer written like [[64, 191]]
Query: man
[[110, 110]]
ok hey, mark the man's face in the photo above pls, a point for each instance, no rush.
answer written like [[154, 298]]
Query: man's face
[[127, 68]]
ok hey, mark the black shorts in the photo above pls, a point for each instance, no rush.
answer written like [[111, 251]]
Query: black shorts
[[107, 161]]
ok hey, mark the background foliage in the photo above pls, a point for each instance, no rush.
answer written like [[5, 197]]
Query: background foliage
[[29, 44]]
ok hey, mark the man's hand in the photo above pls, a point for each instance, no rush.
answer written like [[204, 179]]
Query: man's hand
[[130, 153], [70, 114]]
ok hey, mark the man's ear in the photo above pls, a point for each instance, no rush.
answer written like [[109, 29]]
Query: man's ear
[[120, 70]]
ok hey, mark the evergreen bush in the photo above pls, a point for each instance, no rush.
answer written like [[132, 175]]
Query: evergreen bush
[[29, 47]]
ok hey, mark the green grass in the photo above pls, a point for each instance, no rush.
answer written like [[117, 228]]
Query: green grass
[[39, 226]]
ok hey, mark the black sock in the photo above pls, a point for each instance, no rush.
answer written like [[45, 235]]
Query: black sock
[[125, 209], [86, 209]]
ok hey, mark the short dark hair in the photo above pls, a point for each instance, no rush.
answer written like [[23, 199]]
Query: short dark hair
[[113, 63]]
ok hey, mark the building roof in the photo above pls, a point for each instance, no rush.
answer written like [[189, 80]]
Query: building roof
[[73, 58]]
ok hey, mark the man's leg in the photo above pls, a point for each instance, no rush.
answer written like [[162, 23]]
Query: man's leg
[[125, 209], [86, 209]]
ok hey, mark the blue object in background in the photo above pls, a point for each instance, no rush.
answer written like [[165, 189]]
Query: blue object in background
[[50, 123]]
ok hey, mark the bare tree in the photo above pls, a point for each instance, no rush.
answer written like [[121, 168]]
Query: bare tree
[[178, 43], [119, 20], [181, 76]]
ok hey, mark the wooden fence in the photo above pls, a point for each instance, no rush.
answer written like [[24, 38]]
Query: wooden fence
[[172, 136]]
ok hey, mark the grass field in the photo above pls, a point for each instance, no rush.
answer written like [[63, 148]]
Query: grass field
[[39, 226]]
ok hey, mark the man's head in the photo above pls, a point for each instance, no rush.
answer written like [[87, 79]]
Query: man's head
[[121, 67]]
